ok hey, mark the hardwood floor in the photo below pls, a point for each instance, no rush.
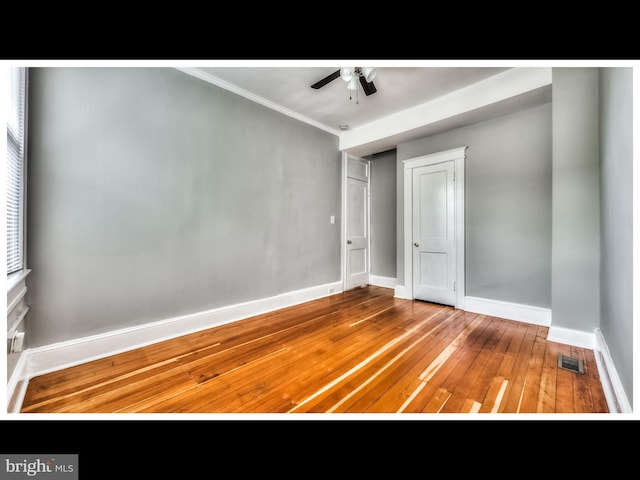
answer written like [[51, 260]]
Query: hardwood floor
[[361, 351]]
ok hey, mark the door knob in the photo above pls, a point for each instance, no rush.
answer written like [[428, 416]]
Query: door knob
[[348, 242], [416, 244]]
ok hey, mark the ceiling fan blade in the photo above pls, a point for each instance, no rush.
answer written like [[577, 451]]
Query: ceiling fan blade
[[368, 87], [325, 80]]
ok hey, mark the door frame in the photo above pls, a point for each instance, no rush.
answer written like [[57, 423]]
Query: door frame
[[344, 228], [458, 155]]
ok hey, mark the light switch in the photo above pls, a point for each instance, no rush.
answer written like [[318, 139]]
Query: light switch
[[332, 219]]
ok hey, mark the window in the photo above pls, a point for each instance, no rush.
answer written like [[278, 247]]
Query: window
[[16, 119]]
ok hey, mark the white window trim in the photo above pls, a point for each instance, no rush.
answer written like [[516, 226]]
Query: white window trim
[[16, 278], [20, 275], [17, 306]]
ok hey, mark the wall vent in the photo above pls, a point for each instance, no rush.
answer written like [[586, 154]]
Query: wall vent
[[570, 363]]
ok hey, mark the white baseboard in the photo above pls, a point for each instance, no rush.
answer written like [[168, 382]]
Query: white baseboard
[[400, 292], [616, 397], [577, 338], [48, 358], [386, 282], [510, 311]]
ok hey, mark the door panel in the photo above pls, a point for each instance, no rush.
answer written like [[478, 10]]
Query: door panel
[[433, 206], [357, 261], [434, 246], [433, 269], [358, 169], [357, 217]]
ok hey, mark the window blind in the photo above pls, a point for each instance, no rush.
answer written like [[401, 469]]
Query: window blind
[[15, 168]]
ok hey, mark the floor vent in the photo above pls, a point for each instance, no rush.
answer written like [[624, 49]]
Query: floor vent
[[570, 363]]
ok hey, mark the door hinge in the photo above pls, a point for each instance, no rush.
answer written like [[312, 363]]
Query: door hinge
[[454, 286]]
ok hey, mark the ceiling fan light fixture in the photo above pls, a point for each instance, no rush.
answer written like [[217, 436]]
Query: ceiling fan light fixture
[[346, 73], [353, 84], [369, 73]]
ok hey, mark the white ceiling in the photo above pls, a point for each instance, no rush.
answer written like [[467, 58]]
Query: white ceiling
[[288, 89]]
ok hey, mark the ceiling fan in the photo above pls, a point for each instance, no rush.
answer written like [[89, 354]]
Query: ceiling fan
[[352, 75]]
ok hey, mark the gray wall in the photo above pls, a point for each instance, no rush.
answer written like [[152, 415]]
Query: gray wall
[[383, 213], [576, 199], [153, 194], [616, 219], [507, 204]]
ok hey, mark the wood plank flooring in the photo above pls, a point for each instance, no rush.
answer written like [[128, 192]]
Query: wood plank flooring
[[361, 351]]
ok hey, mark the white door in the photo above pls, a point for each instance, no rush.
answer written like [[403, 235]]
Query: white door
[[434, 242], [357, 223]]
